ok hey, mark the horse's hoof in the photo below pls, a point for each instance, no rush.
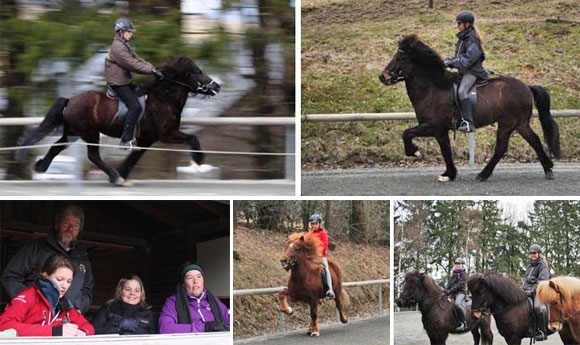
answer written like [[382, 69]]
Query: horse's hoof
[[315, 334], [121, 182], [418, 154], [290, 311], [480, 178], [549, 175], [443, 178]]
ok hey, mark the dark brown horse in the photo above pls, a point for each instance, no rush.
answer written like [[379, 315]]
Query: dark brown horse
[[302, 257], [504, 100], [437, 312], [562, 297], [507, 303], [92, 112]]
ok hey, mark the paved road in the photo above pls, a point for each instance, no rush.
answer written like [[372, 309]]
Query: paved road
[[373, 331], [507, 179], [408, 330], [191, 188]]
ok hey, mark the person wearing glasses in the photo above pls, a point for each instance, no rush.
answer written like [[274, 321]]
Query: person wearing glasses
[[537, 271], [24, 268]]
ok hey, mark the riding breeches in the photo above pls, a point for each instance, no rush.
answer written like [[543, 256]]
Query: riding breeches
[[328, 274], [460, 306], [127, 95], [467, 82]]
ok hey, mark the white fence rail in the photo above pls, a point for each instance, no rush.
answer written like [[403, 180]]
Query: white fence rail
[[268, 291], [410, 116], [288, 122]]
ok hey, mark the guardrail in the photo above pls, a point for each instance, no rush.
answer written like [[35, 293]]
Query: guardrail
[[410, 116], [288, 122], [268, 291]]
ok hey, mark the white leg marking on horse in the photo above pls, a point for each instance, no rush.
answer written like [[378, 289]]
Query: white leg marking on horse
[[418, 154], [443, 178]]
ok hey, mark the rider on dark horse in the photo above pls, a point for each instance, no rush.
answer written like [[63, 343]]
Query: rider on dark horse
[[468, 60], [316, 228], [119, 63], [455, 291], [537, 271]]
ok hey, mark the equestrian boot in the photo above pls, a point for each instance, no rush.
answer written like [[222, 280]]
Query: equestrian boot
[[462, 327], [467, 116], [541, 331], [329, 292], [128, 138]]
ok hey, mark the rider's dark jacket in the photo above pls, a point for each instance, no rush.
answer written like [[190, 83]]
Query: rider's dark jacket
[[536, 272], [469, 55], [456, 282]]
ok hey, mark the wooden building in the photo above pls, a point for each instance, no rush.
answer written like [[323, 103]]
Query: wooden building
[[149, 238]]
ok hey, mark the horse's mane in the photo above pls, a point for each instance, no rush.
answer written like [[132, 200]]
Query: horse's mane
[[569, 287], [428, 282], [503, 287], [174, 68], [427, 60], [312, 245]]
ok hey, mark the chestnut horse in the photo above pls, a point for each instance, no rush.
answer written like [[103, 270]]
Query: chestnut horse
[[507, 303], [90, 113], [562, 296], [504, 100], [437, 312], [302, 257]]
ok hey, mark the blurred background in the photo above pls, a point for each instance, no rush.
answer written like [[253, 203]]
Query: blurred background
[[53, 48]]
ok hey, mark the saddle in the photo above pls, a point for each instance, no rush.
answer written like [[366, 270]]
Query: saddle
[[536, 316], [122, 107], [472, 97]]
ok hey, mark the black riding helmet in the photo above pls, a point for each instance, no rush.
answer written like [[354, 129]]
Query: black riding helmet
[[124, 24], [315, 218], [465, 17]]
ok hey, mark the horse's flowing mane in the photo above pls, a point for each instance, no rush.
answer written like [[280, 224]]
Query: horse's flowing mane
[[312, 246], [569, 287], [428, 283], [503, 287], [426, 59]]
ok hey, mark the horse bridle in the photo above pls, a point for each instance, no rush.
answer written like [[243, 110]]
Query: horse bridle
[[395, 76], [202, 88]]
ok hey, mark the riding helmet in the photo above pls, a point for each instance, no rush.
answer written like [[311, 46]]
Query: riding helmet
[[465, 17], [460, 261], [124, 24], [534, 248], [315, 218]]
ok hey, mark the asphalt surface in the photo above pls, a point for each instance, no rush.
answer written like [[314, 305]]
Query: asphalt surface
[[373, 331], [507, 179], [166, 188], [408, 330]]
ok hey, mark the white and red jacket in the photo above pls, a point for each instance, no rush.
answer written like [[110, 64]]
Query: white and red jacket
[[31, 314]]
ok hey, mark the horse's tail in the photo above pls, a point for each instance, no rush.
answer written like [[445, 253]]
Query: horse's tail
[[53, 119], [549, 125]]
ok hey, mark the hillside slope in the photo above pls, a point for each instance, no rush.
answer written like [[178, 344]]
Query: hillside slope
[[257, 265]]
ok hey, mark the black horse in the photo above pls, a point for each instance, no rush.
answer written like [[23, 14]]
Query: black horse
[[92, 112], [438, 314], [506, 301], [504, 100]]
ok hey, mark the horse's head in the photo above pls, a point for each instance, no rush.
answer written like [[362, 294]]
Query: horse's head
[[416, 287], [411, 53], [493, 291], [302, 246], [184, 71], [562, 297]]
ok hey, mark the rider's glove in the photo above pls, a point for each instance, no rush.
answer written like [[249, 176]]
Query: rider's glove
[[158, 74]]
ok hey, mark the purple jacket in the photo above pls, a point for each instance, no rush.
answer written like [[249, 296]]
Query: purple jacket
[[199, 309]]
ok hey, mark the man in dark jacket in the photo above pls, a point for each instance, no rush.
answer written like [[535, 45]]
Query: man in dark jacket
[[455, 290], [468, 60], [24, 267]]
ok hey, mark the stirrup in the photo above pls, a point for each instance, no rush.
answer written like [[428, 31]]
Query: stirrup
[[130, 145], [540, 336], [466, 127]]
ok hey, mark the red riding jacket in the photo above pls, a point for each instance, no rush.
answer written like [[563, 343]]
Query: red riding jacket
[[30, 314], [323, 235]]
